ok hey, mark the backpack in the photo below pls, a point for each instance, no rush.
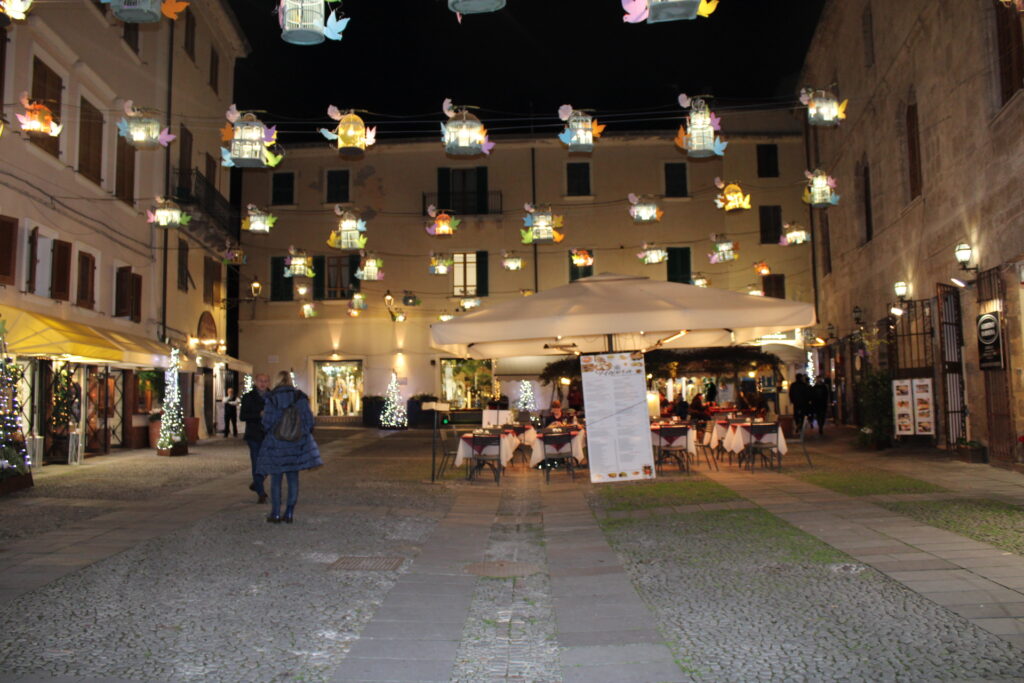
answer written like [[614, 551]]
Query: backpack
[[289, 427]]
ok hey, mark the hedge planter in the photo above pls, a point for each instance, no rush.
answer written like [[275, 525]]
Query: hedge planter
[[15, 483], [180, 448], [976, 454]]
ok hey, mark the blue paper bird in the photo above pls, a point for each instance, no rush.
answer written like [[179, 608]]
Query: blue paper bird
[[225, 158], [328, 134], [565, 136], [720, 147], [444, 131], [834, 199], [122, 128], [335, 25]]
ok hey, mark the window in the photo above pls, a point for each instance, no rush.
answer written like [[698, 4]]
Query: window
[[470, 274], [577, 179], [467, 383], [282, 188], [46, 88], [576, 272], [183, 275], [8, 249], [127, 294], [463, 190], [335, 276], [60, 271], [337, 187], [1010, 47], [675, 180], [86, 296], [867, 25], [865, 198], [914, 179], [90, 142], [211, 281], [130, 34], [774, 286], [767, 161], [826, 243], [280, 286], [190, 34], [124, 184], [214, 69], [33, 260], [678, 265], [184, 143], [771, 224]]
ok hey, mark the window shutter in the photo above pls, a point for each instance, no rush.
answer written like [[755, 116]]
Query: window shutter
[[767, 161], [675, 180], [136, 285], [86, 280], [280, 286], [319, 278], [481, 190], [481, 274], [826, 243], [182, 265], [774, 286], [444, 188], [678, 265], [8, 249], [47, 87], [353, 266], [124, 182], [869, 218], [33, 260], [913, 152], [60, 271], [90, 141], [771, 224], [122, 292], [1010, 42]]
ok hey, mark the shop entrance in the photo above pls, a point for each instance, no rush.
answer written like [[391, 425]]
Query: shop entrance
[[339, 387]]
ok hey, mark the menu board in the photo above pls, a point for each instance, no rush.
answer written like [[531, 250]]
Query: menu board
[[913, 404], [618, 429]]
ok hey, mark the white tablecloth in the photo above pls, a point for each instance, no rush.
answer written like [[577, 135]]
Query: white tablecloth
[[691, 440], [508, 444], [739, 439], [715, 433], [576, 446]]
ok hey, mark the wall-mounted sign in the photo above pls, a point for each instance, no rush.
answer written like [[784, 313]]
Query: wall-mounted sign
[[990, 342]]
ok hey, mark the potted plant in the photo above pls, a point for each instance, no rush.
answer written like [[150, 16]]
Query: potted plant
[[417, 416], [971, 451]]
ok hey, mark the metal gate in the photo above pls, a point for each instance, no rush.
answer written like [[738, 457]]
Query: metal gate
[[97, 431], [951, 342], [992, 299], [910, 341]]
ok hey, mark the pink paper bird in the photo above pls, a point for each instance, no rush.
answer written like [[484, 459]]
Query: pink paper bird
[[446, 107], [832, 182], [166, 137], [636, 11], [458, 15], [716, 122], [150, 216], [371, 135], [334, 112], [487, 146], [232, 114], [684, 101], [564, 112]]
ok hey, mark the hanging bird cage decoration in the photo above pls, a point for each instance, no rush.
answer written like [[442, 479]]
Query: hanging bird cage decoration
[[257, 220], [509, 261], [167, 214], [463, 135], [306, 22], [233, 256], [298, 263], [308, 310], [469, 304], [351, 134], [443, 223], [731, 197], [762, 268], [38, 119], [357, 303], [475, 6], [794, 233], [370, 268], [410, 299], [541, 225], [351, 230], [142, 128], [820, 191], [657, 11], [145, 11], [700, 280], [644, 209], [440, 264], [16, 10], [581, 258], [581, 129], [1015, 4], [698, 136], [252, 143], [823, 107], [445, 316], [723, 249], [650, 255]]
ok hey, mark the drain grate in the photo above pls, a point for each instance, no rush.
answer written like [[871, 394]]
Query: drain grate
[[502, 569], [368, 564]]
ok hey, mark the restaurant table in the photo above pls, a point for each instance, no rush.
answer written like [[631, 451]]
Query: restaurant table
[[527, 433], [715, 433], [576, 445], [661, 442], [507, 444], [740, 437]]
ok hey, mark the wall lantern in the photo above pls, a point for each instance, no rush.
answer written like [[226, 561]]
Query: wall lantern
[[858, 315], [820, 191], [541, 225], [251, 142], [145, 11], [167, 214], [233, 256], [657, 11], [14, 10], [351, 230], [142, 129], [762, 268], [823, 108], [581, 258], [700, 280], [463, 135], [302, 22], [581, 129], [794, 233], [256, 288], [258, 221], [475, 6], [731, 197], [440, 264], [724, 249], [644, 209], [509, 261], [298, 263], [370, 268], [650, 255], [698, 136], [963, 254], [38, 119], [351, 134], [901, 288], [443, 225]]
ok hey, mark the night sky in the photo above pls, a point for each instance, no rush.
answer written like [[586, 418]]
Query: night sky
[[400, 58]]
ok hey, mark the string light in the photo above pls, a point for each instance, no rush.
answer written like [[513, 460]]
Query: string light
[[393, 415], [172, 423]]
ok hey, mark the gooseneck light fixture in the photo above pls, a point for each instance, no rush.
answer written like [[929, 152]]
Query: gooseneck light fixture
[[963, 254]]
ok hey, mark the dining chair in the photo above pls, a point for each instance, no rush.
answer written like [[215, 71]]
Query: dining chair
[[557, 451], [486, 452], [764, 443], [672, 443], [802, 440]]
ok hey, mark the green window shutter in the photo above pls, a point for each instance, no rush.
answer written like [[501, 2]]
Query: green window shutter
[[444, 188], [319, 278], [353, 266], [481, 274], [482, 205], [679, 265], [280, 286]]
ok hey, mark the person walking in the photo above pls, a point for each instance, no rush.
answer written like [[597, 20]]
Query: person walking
[[821, 398], [252, 416], [800, 396], [230, 413], [288, 446]]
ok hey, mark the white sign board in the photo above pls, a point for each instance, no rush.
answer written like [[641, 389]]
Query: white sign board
[[913, 407], [903, 407], [924, 407], [618, 429]]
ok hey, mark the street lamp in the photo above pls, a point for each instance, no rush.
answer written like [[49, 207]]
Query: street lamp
[[963, 254], [901, 288], [256, 288], [858, 315]]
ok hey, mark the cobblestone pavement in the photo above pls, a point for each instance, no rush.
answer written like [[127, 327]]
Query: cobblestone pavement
[[134, 567]]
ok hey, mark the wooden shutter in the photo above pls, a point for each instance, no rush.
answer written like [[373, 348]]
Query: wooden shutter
[[214, 69], [280, 286], [869, 218], [47, 88], [767, 161], [90, 142], [675, 180], [33, 260], [481, 274], [182, 265], [826, 243], [482, 204], [60, 271], [774, 286], [122, 292], [1010, 48], [319, 278], [125, 176], [86, 297], [913, 152], [8, 249], [190, 35], [136, 297], [678, 265], [771, 224], [444, 188], [184, 143], [353, 282]]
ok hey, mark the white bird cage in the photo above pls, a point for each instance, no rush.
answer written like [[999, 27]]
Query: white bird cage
[[820, 190], [167, 214], [247, 142], [652, 256], [302, 21], [143, 130], [700, 133], [671, 10], [543, 228], [511, 262], [822, 109], [137, 11], [581, 131], [349, 234], [646, 210], [464, 134], [298, 264], [475, 6], [259, 221]]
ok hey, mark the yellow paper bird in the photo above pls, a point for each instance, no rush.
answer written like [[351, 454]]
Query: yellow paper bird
[[172, 8], [707, 7], [271, 158], [597, 128], [557, 221], [841, 115], [227, 133], [557, 236]]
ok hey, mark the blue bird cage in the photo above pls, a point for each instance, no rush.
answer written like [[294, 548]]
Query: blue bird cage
[[671, 10], [137, 11], [302, 21], [475, 6]]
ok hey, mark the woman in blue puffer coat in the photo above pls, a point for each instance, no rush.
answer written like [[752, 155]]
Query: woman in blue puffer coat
[[279, 457]]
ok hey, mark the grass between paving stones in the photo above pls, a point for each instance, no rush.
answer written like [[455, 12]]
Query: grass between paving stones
[[855, 479], [988, 521], [642, 495]]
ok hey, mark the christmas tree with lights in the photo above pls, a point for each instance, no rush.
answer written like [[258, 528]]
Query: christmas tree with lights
[[172, 423], [526, 401], [14, 458], [393, 415]]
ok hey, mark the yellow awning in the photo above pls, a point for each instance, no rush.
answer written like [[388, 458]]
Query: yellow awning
[[35, 334]]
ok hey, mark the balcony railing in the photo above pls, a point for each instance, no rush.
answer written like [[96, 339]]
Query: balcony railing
[[464, 203], [194, 190]]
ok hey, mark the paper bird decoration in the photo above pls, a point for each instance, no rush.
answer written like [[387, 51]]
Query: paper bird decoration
[[823, 108], [142, 129], [350, 233], [644, 209], [252, 143], [541, 226], [172, 8], [698, 137], [581, 129], [820, 191], [335, 25], [731, 197], [351, 134], [463, 135], [38, 119], [302, 22]]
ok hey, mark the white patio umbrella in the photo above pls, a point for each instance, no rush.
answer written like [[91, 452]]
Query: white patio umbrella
[[617, 312]]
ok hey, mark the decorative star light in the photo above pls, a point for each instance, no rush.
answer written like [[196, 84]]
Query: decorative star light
[[820, 191], [440, 264], [302, 22], [351, 134], [145, 11], [298, 263], [656, 11], [351, 231], [142, 128], [370, 268], [541, 225], [731, 197], [257, 220], [823, 107], [252, 143], [724, 249], [581, 258], [650, 255], [698, 136], [509, 261], [463, 135], [793, 233], [38, 119], [443, 225], [644, 209], [581, 129], [167, 214]]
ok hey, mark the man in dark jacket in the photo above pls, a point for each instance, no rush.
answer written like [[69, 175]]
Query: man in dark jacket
[[822, 398], [252, 416], [800, 396]]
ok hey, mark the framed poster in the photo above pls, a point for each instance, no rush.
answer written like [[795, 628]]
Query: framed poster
[[618, 429], [913, 407], [903, 407], [924, 407]]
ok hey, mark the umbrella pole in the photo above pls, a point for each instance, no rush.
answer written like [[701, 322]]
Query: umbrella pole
[[611, 342]]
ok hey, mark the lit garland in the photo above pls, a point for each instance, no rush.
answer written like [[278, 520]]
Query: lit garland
[[526, 399], [14, 457], [172, 423], [393, 415], [246, 383]]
